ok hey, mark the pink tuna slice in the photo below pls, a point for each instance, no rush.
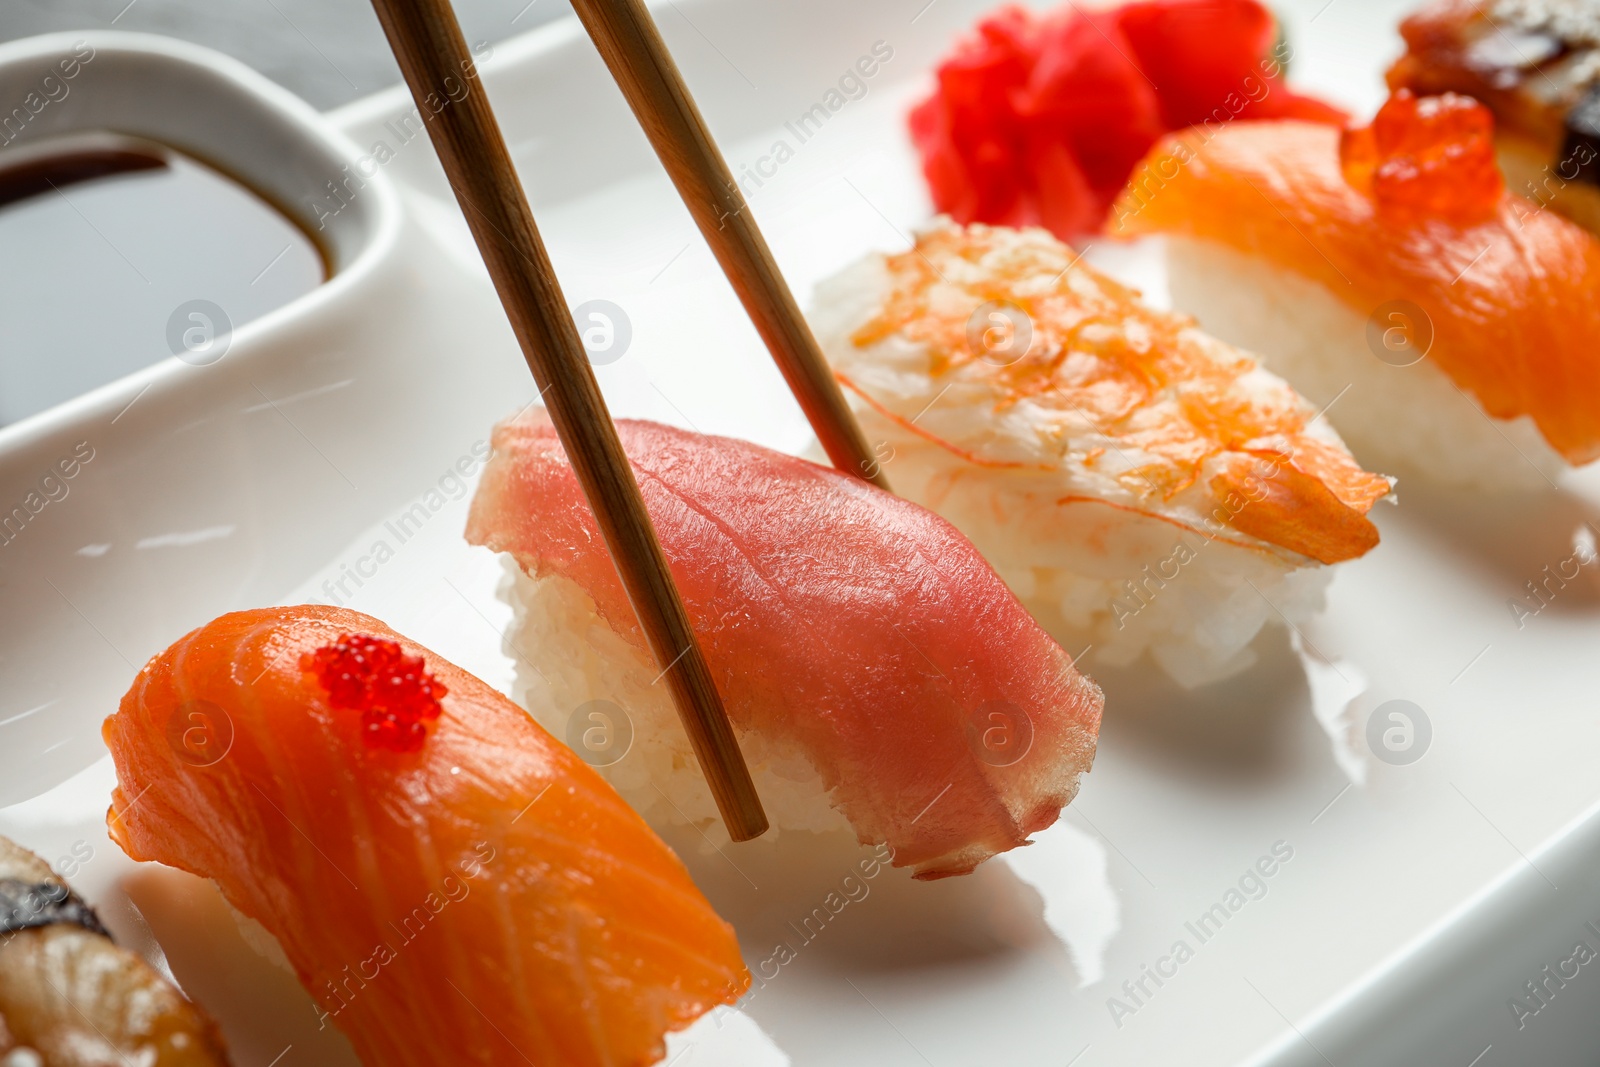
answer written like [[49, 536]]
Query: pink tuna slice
[[835, 616]]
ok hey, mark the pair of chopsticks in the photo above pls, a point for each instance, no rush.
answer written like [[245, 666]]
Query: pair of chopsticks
[[433, 55]]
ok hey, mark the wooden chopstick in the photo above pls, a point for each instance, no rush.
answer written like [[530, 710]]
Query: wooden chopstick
[[433, 55], [642, 67]]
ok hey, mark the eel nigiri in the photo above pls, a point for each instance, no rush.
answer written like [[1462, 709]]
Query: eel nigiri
[[450, 883], [69, 997], [1143, 487], [1387, 272], [1536, 65], [876, 670]]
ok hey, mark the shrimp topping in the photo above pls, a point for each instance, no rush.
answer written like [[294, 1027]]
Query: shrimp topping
[[1174, 421]]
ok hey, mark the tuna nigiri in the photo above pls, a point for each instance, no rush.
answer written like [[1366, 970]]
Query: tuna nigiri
[[1142, 486], [1536, 65], [69, 997], [450, 883], [877, 671], [1388, 273]]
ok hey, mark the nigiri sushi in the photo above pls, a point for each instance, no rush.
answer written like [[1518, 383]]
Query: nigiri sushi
[[1143, 487], [450, 883], [878, 673], [69, 997], [1387, 272], [1536, 65]]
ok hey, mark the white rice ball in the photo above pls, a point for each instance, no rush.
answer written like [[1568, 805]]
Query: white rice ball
[[567, 657]]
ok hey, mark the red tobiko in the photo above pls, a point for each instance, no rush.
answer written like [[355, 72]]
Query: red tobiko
[[1039, 120], [1426, 157], [395, 694]]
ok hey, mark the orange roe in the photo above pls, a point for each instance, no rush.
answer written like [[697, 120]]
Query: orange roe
[[396, 696], [1427, 157]]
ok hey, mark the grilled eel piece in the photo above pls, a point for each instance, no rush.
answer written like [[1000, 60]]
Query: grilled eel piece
[[69, 997]]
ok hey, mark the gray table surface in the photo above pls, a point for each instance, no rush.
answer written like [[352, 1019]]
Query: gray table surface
[[328, 51]]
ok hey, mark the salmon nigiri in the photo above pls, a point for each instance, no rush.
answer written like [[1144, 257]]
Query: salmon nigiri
[[877, 671], [450, 883], [1387, 272], [1143, 487]]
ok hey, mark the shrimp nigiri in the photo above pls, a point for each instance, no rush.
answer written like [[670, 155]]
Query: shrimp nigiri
[[1142, 486], [450, 883]]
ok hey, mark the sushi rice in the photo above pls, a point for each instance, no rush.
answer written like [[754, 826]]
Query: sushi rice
[[580, 659]]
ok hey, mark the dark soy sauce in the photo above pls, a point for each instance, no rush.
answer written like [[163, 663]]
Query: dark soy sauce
[[35, 174], [116, 252]]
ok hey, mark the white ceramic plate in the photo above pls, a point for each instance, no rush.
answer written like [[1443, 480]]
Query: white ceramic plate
[[1403, 915]]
